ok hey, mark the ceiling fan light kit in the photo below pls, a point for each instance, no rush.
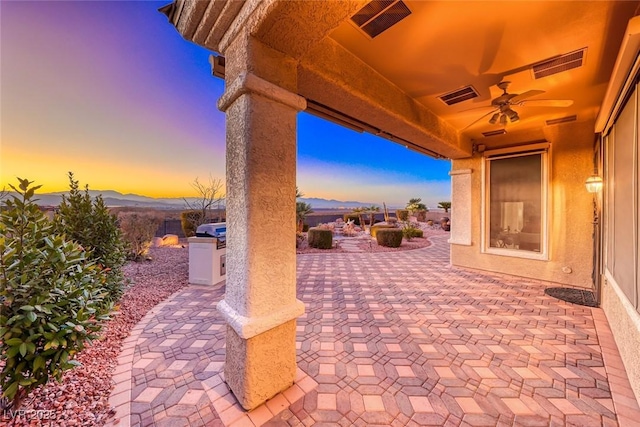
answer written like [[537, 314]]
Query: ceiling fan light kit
[[502, 105]]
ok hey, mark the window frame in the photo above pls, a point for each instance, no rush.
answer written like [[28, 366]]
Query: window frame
[[543, 255]]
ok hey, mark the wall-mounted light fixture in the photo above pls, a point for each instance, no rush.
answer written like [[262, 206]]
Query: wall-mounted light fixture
[[594, 183]]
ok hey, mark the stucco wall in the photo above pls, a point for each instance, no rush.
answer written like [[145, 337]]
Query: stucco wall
[[624, 321], [570, 212]]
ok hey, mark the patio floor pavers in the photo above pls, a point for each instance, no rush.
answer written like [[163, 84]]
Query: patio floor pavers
[[389, 339]]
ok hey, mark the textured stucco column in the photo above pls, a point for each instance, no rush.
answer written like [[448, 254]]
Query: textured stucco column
[[260, 304]]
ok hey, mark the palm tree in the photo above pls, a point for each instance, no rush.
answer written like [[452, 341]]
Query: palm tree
[[302, 210], [445, 205], [415, 205]]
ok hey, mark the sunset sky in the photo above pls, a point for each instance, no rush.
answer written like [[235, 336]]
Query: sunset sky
[[110, 91]]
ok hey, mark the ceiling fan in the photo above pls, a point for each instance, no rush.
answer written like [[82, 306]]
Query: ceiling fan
[[502, 111]]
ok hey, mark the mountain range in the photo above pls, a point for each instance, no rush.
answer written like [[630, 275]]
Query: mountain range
[[114, 198]]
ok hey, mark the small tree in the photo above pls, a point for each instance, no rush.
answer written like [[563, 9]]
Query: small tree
[[372, 214], [208, 196], [89, 222], [52, 298], [302, 210], [445, 205], [360, 212], [138, 229], [415, 205]]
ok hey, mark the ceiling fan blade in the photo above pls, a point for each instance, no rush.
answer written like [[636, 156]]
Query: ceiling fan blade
[[547, 103], [478, 108], [480, 118], [525, 95]]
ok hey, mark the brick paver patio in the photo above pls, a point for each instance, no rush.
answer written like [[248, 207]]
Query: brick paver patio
[[389, 339]]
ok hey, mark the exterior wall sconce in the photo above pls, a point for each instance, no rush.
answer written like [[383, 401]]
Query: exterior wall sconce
[[594, 183]]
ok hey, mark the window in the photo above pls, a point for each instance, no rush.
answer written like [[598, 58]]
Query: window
[[515, 205]]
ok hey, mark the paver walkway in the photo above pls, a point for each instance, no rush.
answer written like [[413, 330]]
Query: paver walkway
[[389, 339]]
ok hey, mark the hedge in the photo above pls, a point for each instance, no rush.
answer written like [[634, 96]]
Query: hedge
[[376, 228], [402, 214], [320, 238], [389, 237]]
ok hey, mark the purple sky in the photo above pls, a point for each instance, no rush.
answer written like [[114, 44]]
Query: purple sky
[[110, 91]]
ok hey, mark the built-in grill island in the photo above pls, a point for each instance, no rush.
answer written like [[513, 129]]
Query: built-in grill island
[[207, 254]]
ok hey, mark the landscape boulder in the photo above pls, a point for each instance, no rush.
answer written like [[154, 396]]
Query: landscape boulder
[[170, 240]]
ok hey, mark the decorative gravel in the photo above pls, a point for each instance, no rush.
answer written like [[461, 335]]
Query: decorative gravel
[[82, 398]]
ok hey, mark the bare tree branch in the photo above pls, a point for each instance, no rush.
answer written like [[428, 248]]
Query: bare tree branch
[[209, 195]]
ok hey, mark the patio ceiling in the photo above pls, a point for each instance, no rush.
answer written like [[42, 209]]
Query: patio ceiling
[[391, 83], [444, 46]]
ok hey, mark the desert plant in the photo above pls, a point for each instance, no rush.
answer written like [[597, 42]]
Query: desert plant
[[320, 239], [355, 217], [138, 230], [377, 227], [421, 215], [402, 214], [410, 230], [360, 211], [389, 237], [415, 205], [207, 196], [52, 298], [302, 211], [371, 210], [445, 205], [188, 219], [386, 212], [89, 222]]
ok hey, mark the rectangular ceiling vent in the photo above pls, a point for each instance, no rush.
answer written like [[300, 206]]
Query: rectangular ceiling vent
[[559, 64], [458, 95], [495, 132], [562, 120], [380, 15]]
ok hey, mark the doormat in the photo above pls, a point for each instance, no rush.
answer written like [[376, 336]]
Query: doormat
[[575, 296]]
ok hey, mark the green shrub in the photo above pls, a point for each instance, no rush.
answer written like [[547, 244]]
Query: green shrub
[[409, 232], [52, 298], [90, 223], [376, 228], [402, 215], [188, 221], [138, 230], [305, 228], [352, 217], [389, 237], [320, 239]]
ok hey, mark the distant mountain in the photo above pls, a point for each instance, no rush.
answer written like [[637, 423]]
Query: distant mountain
[[114, 198], [332, 203]]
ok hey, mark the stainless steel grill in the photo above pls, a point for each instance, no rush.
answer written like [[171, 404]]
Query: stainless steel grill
[[217, 230]]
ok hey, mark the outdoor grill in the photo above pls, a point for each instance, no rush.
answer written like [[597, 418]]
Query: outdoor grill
[[207, 254], [216, 230]]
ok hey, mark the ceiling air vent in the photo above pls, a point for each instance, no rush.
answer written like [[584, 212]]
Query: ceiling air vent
[[495, 132], [458, 95], [379, 15], [559, 64], [562, 120]]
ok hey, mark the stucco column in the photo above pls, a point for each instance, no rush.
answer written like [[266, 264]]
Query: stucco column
[[260, 304]]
